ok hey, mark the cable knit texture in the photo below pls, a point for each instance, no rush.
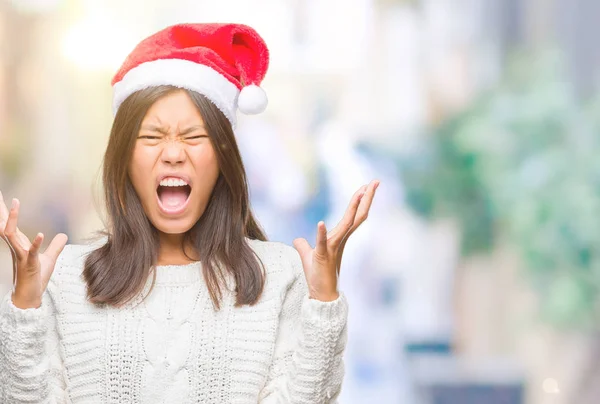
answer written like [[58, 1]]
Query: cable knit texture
[[174, 347]]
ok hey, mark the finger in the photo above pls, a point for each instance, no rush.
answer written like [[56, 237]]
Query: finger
[[4, 217], [35, 248], [339, 231], [360, 216], [363, 209], [13, 257], [338, 261], [10, 230], [56, 246], [23, 240], [321, 247]]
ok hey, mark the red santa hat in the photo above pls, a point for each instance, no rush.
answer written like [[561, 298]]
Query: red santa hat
[[224, 62]]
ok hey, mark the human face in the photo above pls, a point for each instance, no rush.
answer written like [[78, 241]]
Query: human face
[[174, 167]]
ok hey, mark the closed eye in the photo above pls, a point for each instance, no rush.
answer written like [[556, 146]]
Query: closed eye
[[159, 137]]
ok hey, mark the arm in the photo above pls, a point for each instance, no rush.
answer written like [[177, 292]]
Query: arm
[[31, 368], [307, 365], [30, 365]]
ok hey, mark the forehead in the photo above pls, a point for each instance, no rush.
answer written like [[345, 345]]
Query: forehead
[[174, 108]]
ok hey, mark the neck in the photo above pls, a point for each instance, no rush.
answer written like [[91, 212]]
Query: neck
[[171, 250]]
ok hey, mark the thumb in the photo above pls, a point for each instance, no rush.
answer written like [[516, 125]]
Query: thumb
[[52, 252], [304, 249], [56, 246]]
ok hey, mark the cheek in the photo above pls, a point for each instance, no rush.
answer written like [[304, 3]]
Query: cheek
[[138, 169], [207, 167]]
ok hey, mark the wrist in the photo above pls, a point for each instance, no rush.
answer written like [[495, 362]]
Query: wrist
[[21, 302], [328, 297]]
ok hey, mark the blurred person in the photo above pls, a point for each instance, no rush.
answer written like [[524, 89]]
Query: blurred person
[[181, 299]]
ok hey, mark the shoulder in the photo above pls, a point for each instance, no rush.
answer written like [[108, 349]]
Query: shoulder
[[67, 287], [71, 260], [278, 258]]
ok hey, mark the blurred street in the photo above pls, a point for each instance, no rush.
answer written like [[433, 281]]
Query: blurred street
[[476, 279]]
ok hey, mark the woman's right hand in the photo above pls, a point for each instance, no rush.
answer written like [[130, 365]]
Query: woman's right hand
[[31, 268]]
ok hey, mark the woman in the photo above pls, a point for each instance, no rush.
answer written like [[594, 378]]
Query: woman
[[182, 300]]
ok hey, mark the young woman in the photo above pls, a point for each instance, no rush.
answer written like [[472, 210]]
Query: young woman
[[182, 300]]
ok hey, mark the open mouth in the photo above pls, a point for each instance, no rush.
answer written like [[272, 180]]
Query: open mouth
[[173, 198]]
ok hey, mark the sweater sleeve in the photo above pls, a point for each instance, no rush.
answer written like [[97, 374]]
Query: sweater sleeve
[[308, 362], [31, 368]]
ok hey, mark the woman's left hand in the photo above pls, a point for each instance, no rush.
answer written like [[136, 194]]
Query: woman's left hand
[[322, 264]]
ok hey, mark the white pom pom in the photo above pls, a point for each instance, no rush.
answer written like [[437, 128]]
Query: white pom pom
[[252, 100]]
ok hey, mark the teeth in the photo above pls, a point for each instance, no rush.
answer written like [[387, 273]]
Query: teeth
[[173, 182]]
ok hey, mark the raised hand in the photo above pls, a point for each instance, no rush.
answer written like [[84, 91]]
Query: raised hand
[[31, 269], [323, 263]]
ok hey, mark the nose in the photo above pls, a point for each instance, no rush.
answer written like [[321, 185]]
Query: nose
[[173, 152]]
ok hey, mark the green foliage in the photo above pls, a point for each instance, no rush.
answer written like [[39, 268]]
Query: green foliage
[[523, 164]]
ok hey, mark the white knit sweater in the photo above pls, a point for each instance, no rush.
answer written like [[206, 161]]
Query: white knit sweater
[[174, 347]]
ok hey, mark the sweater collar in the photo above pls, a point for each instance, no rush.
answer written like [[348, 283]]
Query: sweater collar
[[178, 274]]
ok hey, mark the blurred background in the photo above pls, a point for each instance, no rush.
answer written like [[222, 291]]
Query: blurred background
[[476, 278]]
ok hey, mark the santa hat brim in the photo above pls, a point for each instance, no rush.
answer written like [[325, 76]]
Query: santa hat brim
[[179, 73]]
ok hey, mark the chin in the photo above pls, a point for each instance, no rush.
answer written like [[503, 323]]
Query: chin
[[170, 226]]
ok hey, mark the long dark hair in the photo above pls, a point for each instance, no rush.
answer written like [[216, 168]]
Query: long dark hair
[[117, 272]]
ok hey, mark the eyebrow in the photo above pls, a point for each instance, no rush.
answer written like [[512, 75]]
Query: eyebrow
[[154, 128]]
